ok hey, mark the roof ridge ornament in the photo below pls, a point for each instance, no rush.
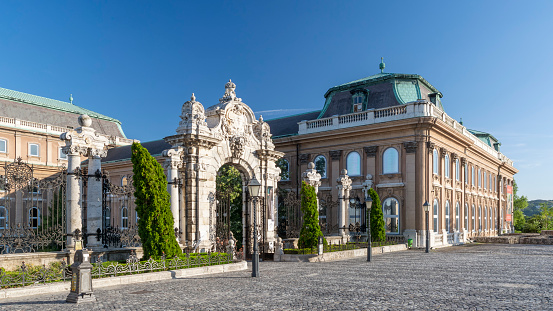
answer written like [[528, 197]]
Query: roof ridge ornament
[[230, 94], [71, 99], [382, 65]]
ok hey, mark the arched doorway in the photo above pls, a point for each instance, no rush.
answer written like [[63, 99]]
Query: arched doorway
[[207, 140]]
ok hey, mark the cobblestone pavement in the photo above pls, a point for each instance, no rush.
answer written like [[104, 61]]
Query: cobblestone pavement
[[472, 277]]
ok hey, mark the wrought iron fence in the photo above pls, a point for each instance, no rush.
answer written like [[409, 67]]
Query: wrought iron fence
[[117, 237], [290, 217], [337, 247], [60, 271]]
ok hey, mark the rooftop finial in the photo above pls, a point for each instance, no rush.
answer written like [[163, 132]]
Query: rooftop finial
[[461, 122], [71, 98], [193, 98], [382, 65]]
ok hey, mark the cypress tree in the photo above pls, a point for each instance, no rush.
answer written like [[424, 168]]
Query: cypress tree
[[310, 231], [378, 232], [155, 224]]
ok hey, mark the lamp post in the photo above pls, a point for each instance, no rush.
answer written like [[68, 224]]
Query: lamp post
[[253, 188], [369, 203], [426, 207]]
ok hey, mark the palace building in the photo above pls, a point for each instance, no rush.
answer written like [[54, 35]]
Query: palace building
[[391, 132]]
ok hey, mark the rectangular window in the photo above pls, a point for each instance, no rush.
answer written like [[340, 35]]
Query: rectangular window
[[34, 150], [3, 146], [63, 156]]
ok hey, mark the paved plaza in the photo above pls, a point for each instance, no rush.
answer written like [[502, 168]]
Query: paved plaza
[[472, 277]]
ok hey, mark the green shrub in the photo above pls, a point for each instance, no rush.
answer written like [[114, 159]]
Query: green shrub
[[378, 232], [310, 231], [155, 224]]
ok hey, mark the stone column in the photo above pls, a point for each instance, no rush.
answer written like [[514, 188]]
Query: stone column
[[311, 177], [173, 163], [344, 186], [94, 200], [86, 142], [73, 197], [411, 206]]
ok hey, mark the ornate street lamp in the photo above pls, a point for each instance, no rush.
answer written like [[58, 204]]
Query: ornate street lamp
[[253, 188], [368, 204], [426, 207]]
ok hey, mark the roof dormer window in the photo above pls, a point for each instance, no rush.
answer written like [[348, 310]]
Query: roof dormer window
[[358, 100]]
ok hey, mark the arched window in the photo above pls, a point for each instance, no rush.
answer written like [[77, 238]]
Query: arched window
[[473, 218], [447, 219], [390, 209], [353, 164], [124, 217], [107, 217], [435, 162], [3, 218], [34, 217], [466, 217], [457, 216], [457, 170], [466, 174], [446, 164], [320, 165], [390, 161], [284, 166], [479, 178], [436, 210], [124, 181], [136, 218], [473, 176]]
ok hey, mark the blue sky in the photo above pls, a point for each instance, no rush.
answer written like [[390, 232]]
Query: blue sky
[[139, 61]]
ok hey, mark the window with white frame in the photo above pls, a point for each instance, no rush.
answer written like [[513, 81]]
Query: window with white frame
[[457, 170], [447, 218], [390, 209], [436, 210], [390, 161], [124, 217], [435, 162], [457, 216], [3, 218], [34, 150], [3, 146], [466, 217], [353, 164], [34, 217], [62, 155], [473, 218], [320, 165], [446, 164]]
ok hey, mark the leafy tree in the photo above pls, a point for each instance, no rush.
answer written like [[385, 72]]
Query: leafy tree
[[378, 232], [229, 187], [519, 204], [310, 231], [284, 168], [155, 224], [546, 216]]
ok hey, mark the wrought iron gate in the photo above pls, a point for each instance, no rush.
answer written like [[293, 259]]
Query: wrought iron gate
[[289, 213], [32, 211], [327, 209], [119, 217], [261, 209]]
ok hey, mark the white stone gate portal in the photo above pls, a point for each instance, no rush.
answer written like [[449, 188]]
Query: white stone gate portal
[[206, 139]]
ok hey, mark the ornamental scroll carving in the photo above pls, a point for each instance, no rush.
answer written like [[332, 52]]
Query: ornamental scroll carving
[[370, 151]]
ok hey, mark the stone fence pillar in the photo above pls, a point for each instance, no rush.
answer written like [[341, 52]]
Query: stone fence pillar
[[344, 187], [172, 164]]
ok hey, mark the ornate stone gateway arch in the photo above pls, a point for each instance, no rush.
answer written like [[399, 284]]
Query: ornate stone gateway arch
[[206, 139]]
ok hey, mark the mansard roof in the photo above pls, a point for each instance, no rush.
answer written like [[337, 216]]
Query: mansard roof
[[286, 126], [40, 109], [486, 138], [123, 153]]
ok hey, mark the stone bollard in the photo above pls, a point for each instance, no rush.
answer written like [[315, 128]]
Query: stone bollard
[[81, 280], [321, 245]]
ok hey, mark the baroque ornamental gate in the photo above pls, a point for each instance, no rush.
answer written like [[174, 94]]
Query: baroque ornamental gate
[[290, 216], [32, 211]]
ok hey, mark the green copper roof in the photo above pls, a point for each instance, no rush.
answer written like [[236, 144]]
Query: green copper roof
[[378, 78], [406, 91], [486, 138], [51, 104]]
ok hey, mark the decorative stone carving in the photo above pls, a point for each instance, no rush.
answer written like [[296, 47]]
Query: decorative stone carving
[[370, 151], [367, 184], [237, 146], [84, 140], [430, 145], [344, 182], [463, 161], [335, 155], [192, 117], [304, 158], [454, 156], [311, 176], [410, 146], [443, 152]]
